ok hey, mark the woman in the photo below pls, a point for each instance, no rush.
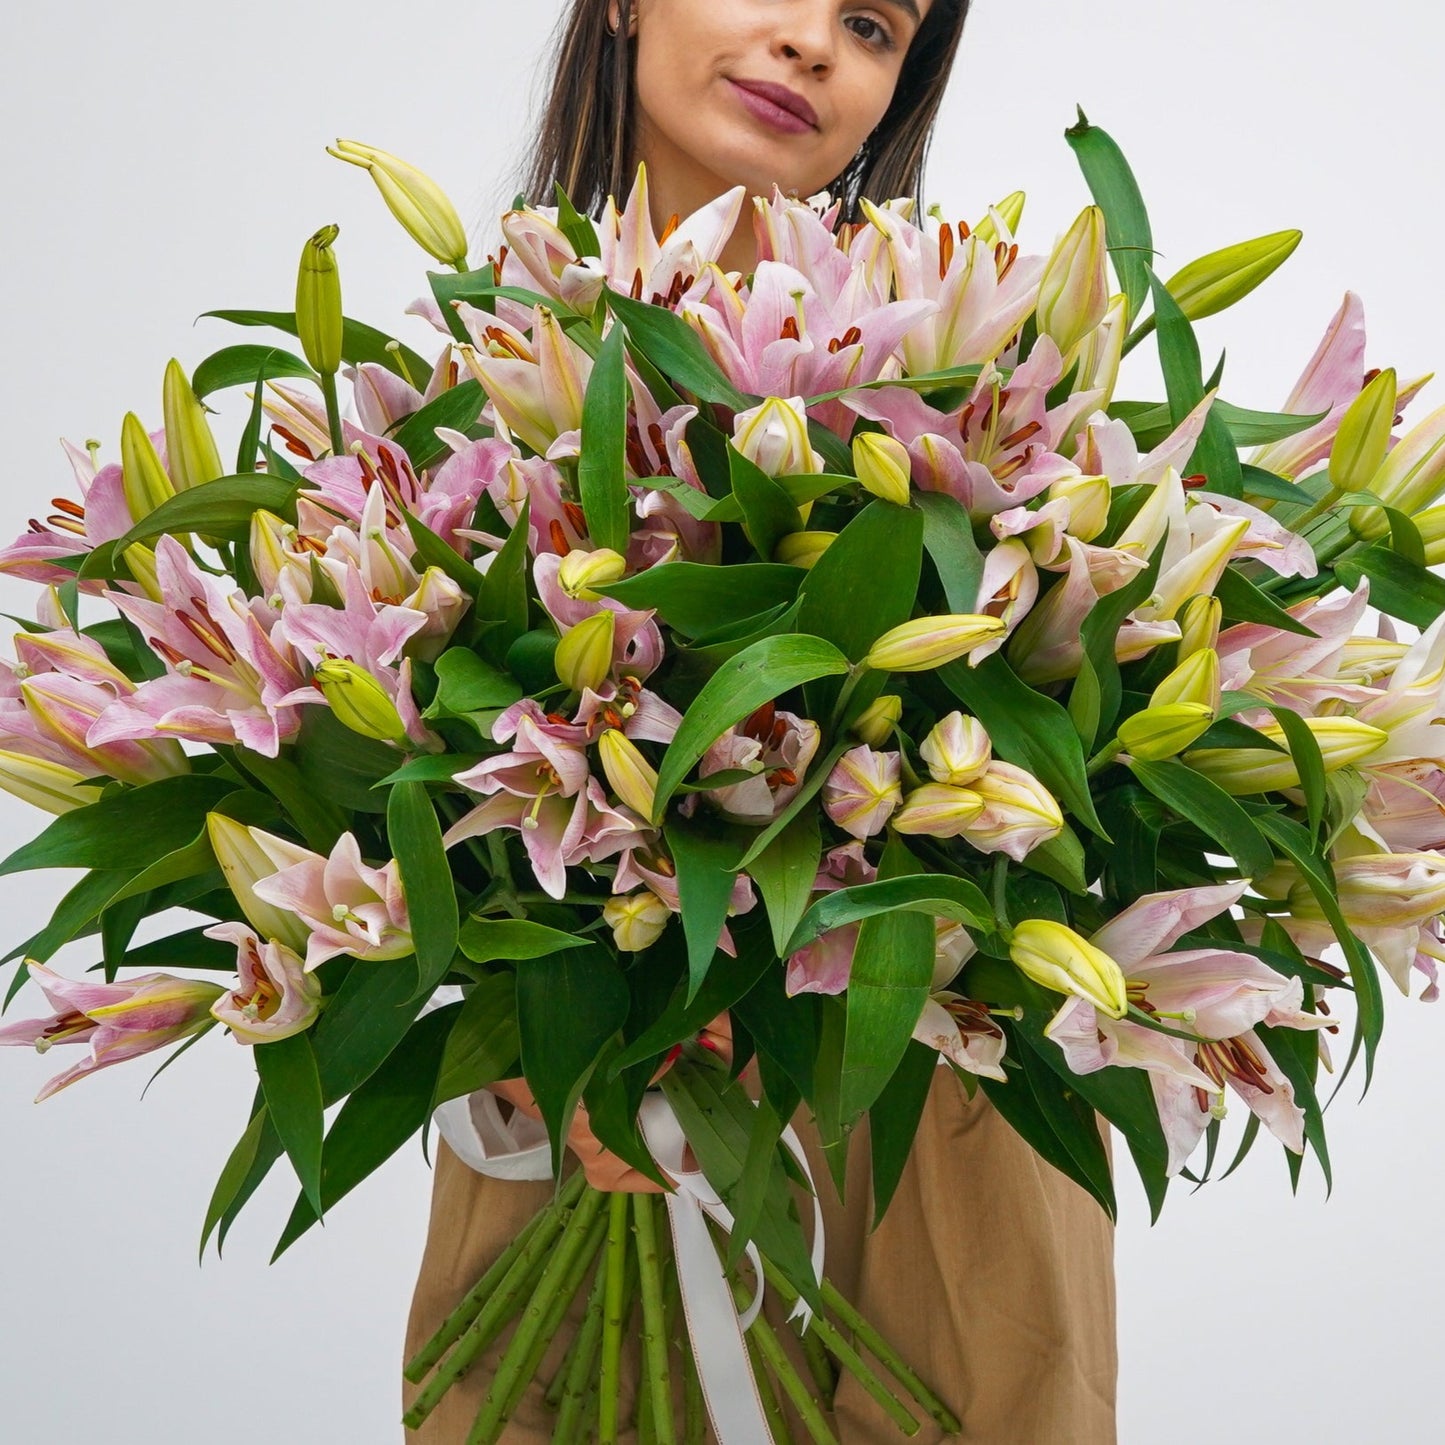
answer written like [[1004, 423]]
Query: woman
[[991, 1272]]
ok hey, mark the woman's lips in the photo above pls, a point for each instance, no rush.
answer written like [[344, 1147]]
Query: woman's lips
[[776, 106]]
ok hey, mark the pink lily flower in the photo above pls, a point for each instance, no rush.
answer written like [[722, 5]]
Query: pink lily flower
[[777, 748], [1216, 993], [119, 1021], [803, 235], [275, 996], [349, 906], [230, 678], [823, 966], [659, 448], [548, 756], [653, 869]]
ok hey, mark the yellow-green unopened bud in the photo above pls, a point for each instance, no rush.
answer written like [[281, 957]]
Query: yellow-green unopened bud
[[1165, 730], [1010, 211], [1431, 525], [1411, 477], [1088, 499], [1195, 680], [580, 572], [144, 481], [584, 655], [141, 560], [1057, 958], [318, 302], [1199, 621], [1242, 771], [359, 701], [414, 199], [1221, 278], [1074, 292], [802, 549], [876, 722], [1364, 434], [50, 786], [883, 467], [630, 775], [244, 863], [637, 920], [929, 642], [191, 454]]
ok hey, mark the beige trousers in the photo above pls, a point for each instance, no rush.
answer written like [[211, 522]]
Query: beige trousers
[[991, 1273]]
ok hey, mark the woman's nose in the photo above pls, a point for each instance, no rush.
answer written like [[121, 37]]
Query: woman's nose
[[805, 34]]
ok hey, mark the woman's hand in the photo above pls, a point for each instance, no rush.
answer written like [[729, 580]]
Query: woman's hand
[[605, 1170]]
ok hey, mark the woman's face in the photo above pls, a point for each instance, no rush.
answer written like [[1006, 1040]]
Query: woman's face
[[764, 92]]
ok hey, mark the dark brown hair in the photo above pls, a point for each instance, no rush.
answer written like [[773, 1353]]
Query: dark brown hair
[[585, 136]]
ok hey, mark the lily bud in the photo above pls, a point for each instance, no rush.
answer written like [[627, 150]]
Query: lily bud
[[1216, 281], [244, 863], [802, 549], [875, 724], [49, 786], [1088, 499], [144, 482], [414, 199], [1057, 958], [275, 997], [863, 790], [1241, 771], [957, 750], [318, 302], [1431, 526], [190, 447], [1019, 813], [359, 700], [883, 467], [584, 655], [929, 642], [1195, 680], [141, 561], [637, 920], [1009, 211], [774, 437], [1385, 890], [1200, 571], [1164, 731], [939, 810], [580, 572], [1199, 621], [1074, 292], [630, 775], [1364, 435], [1412, 476], [1101, 352]]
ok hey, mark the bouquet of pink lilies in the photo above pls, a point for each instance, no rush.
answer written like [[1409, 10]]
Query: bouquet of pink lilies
[[831, 647]]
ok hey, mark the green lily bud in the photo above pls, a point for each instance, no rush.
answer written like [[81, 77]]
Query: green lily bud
[[50, 786], [802, 549], [1057, 958], [144, 481], [1431, 525], [1088, 499], [1195, 680], [1074, 293], [318, 302], [630, 775], [584, 655], [1411, 477], [1242, 771], [414, 199], [929, 642], [1010, 211], [580, 572], [1165, 730], [1199, 621], [142, 563], [1216, 281], [637, 920], [359, 701], [190, 447], [875, 724], [1364, 435], [883, 467], [244, 863]]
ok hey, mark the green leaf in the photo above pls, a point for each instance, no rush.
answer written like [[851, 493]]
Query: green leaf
[[426, 879], [577, 228], [769, 513], [457, 409], [364, 1021], [488, 940], [948, 536], [1270, 486], [187, 949], [503, 597], [706, 856], [1304, 748], [867, 580], [934, 894], [340, 765], [483, 1045], [602, 467], [287, 1068], [568, 1006], [1397, 586], [467, 683], [737, 689], [1242, 601], [240, 366], [893, 1122], [359, 342], [127, 830], [1028, 729], [694, 599], [320, 822], [676, 350], [233, 1174], [1129, 236], [434, 552], [889, 981], [375, 1121], [1100, 636], [1202, 803], [785, 871], [1151, 423]]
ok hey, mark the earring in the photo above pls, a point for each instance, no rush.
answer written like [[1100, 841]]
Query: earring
[[631, 20]]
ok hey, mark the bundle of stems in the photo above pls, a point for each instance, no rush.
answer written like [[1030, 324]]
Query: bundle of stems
[[614, 1252]]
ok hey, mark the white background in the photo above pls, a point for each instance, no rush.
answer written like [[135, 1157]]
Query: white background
[[161, 158]]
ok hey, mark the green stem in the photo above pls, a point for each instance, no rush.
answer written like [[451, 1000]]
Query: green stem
[[1104, 757], [561, 1269], [613, 1307], [580, 1372], [889, 1358], [1331, 496], [777, 1421], [847, 1356], [333, 413], [694, 1409], [654, 1328], [500, 1307], [819, 1366], [763, 1338]]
